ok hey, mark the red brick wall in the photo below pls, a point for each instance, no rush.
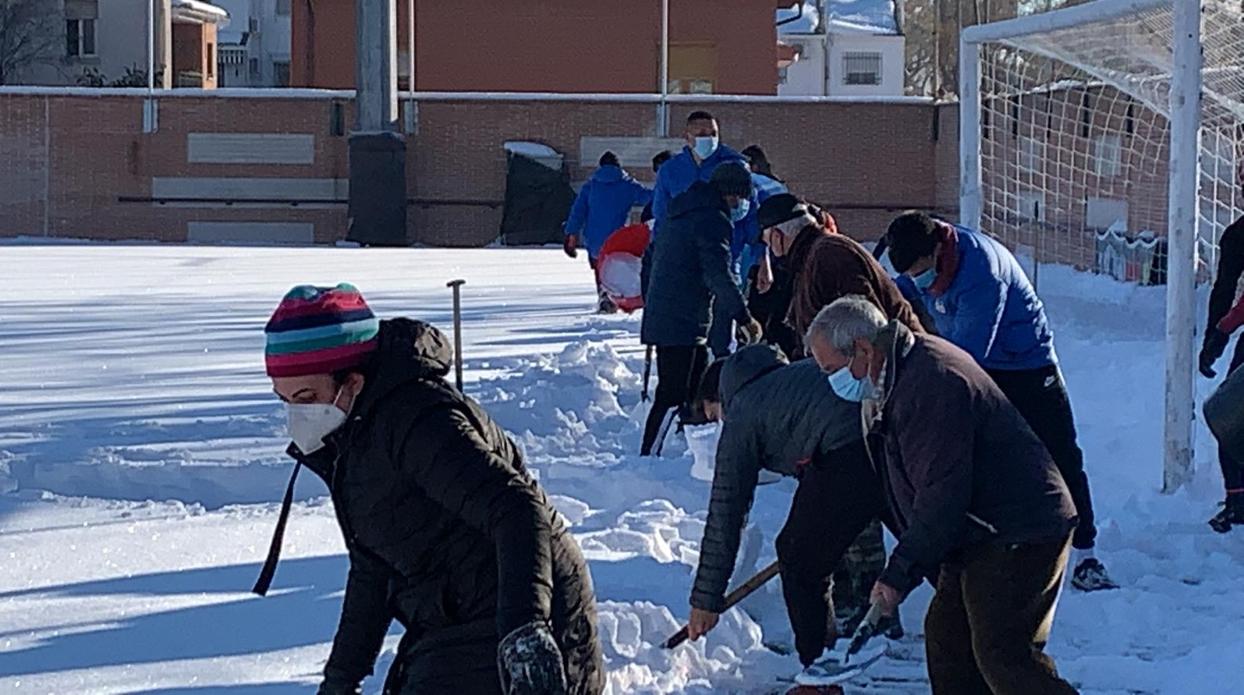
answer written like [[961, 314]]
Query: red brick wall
[[865, 161], [578, 46]]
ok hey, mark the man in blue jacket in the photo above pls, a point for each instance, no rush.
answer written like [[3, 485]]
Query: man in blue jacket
[[981, 300], [698, 160], [603, 205]]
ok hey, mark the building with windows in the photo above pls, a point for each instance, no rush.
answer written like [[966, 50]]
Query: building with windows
[[843, 58], [255, 49], [105, 44]]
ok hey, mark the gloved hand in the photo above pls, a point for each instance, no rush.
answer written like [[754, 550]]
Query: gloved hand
[[531, 662], [749, 333], [571, 245], [1213, 347]]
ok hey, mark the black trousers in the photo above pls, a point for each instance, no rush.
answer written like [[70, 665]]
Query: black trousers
[[1232, 470], [820, 510], [1040, 395], [679, 370]]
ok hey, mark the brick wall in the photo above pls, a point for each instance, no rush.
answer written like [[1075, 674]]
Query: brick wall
[[70, 158]]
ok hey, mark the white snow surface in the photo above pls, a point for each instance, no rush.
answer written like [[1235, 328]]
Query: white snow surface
[[141, 468]]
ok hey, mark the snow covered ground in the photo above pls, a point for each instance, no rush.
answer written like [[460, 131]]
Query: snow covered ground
[[140, 457]]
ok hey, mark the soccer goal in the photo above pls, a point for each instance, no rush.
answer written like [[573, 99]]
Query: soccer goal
[[1106, 136]]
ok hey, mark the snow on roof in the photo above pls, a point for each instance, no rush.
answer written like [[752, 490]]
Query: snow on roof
[[845, 16]]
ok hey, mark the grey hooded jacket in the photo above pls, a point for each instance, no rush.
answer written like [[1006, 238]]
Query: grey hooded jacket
[[778, 416]]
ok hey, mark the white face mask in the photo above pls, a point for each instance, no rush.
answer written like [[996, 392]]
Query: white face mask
[[310, 423]]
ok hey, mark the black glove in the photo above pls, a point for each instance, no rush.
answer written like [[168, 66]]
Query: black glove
[[571, 245], [1213, 347], [531, 662]]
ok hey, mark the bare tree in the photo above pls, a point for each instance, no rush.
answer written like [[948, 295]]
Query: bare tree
[[31, 34]]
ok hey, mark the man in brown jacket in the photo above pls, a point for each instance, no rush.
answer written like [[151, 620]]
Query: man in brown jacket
[[826, 265], [974, 497]]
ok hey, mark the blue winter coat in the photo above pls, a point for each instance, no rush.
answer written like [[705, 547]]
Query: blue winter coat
[[991, 309], [603, 205], [677, 175], [691, 279], [766, 188]]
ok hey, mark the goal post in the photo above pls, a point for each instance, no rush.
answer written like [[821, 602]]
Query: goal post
[[1106, 135]]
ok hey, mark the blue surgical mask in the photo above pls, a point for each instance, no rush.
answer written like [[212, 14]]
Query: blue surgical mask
[[705, 146], [738, 212], [849, 388], [925, 280]]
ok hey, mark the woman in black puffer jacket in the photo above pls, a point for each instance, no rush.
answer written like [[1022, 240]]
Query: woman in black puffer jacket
[[447, 532]]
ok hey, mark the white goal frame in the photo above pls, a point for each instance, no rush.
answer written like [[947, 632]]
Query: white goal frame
[[1184, 184]]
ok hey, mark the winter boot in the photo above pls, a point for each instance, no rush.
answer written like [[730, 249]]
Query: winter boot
[[1091, 575], [1232, 514], [605, 305]]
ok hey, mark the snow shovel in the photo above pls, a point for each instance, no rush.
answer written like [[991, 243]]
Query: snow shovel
[[733, 598], [836, 668]]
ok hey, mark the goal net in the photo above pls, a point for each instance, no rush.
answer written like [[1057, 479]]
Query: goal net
[[1106, 136]]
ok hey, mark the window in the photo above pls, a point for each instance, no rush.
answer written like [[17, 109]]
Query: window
[[80, 38], [80, 18], [693, 68], [211, 60], [254, 69], [280, 73], [282, 8], [1029, 153], [1108, 155], [859, 68]]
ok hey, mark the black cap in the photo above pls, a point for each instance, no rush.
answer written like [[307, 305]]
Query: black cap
[[911, 236], [609, 159], [732, 179], [780, 208]]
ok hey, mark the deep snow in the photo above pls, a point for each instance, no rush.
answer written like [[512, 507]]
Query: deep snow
[[140, 449]]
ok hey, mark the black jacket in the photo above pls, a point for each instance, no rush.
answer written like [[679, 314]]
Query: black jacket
[[960, 465], [691, 268], [1227, 279], [779, 417], [444, 527]]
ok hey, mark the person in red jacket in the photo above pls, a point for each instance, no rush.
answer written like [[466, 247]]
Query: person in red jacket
[[1225, 316]]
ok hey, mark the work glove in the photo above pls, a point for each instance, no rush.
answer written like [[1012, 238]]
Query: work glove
[[1213, 347], [571, 245], [749, 333], [531, 662]]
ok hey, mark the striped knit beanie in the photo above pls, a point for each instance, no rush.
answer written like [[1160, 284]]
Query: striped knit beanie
[[320, 330]]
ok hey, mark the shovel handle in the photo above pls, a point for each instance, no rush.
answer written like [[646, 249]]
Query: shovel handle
[[734, 597]]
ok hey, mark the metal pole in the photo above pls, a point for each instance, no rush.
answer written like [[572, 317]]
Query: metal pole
[[663, 116], [149, 104], [456, 286], [1185, 101], [970, 181], [410, 48]]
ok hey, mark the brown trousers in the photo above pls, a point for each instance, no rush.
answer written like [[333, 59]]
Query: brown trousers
[[987, 626]]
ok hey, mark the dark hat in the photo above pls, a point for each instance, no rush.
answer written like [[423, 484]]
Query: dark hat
[[911, 236], [732, 179], [780, 208], [609, 159]]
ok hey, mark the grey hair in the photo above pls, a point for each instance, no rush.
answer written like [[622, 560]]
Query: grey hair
[[846, 320]]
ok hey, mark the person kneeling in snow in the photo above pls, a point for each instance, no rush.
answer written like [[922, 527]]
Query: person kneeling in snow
[[447, 533], [974, 498], [781, 417]]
